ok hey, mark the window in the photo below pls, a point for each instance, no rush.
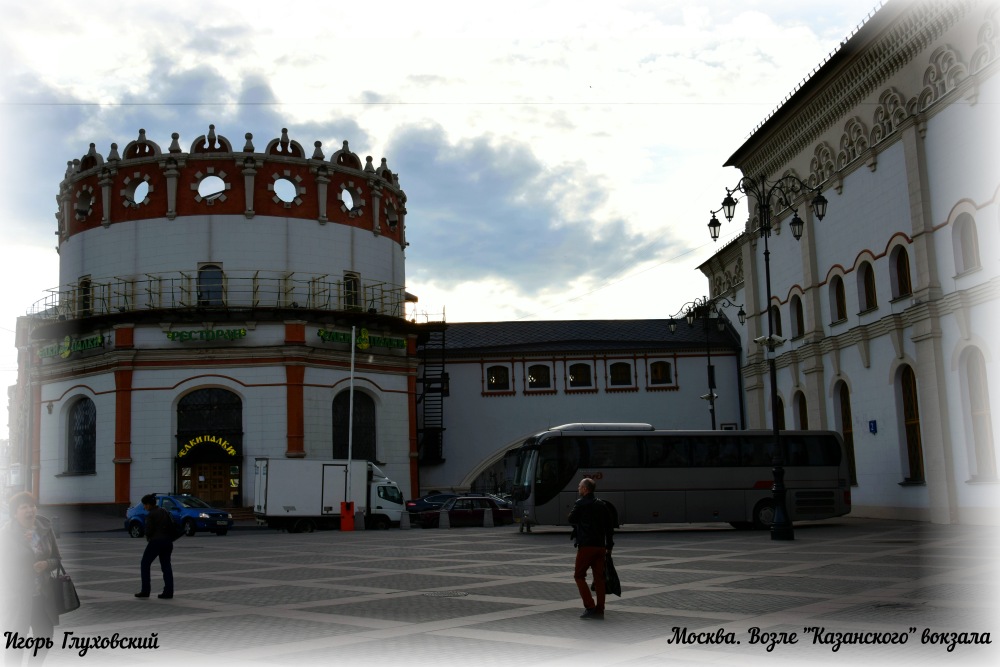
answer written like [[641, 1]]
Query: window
[[352, 291], [660, 373], [363, 436], [497, 378], [801, 411], [966, 244], [901, 273], [838, 300], [580, 376], [847, 429], [539, 377], [911, 426], [798, 317], [620, 374], [866, 288], [211, 284], [82, 446], [776, 320], [979, 414]]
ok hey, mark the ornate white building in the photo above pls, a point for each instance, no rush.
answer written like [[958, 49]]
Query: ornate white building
[[889, 303], [204, 318]]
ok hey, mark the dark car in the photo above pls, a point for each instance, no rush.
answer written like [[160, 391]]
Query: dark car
[[433, 501], [467, 511], [191, 514]]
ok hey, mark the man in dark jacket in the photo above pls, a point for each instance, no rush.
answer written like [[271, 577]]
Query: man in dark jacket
[[593, 530], [160, 533]]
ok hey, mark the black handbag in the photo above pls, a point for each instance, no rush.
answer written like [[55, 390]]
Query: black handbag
[[64, 595], [612, 584]]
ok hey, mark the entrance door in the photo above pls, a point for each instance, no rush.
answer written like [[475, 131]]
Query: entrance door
[[210, 446], [212, 482]]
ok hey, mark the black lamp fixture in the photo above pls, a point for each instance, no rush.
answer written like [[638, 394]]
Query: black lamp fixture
[[780, 194], [706, 310]]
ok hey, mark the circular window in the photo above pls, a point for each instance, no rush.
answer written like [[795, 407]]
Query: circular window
[[138, 192], [348, 200], [211, 187], [285, 190]]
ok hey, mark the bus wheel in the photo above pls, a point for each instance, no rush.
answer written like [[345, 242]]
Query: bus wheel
[[763, 514]]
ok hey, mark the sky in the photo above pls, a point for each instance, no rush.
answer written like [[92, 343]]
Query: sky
[[560, 158]]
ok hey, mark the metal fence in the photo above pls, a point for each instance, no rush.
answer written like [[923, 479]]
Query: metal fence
[[215, 289]]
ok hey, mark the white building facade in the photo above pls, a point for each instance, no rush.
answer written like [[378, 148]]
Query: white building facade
[[889, 303]]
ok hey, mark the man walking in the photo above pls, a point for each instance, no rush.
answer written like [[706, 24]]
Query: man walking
[[160, 534], [593, 532]]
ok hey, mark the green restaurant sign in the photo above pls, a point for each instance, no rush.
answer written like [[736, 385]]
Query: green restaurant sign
[[207, 335], [363, 341]]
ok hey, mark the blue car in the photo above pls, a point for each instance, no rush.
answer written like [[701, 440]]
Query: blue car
[[191, 514]]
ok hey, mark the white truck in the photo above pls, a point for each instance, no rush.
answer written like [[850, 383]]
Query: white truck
[[301, 495]]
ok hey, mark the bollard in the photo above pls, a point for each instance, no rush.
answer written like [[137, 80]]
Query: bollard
[[488, 518], [444, 521], [404, 521], [359, 520], [346, 516]]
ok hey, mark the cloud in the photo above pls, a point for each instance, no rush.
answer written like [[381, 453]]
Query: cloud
[[484, 210]]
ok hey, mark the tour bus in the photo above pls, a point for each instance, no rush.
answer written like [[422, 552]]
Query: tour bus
[[654, 476]]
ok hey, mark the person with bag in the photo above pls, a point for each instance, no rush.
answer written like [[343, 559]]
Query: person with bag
[[30, 560], [160, 535], [593, 535]]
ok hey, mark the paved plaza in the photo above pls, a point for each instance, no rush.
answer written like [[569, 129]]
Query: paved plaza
[[493, 596]]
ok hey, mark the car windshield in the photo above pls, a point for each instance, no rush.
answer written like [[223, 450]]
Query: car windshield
[[193, 502]]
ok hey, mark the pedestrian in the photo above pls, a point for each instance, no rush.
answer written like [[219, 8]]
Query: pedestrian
[[593, 535], [160, 536], [30, 558]]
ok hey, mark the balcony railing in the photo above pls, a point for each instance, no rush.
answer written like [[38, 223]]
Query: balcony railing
[[215, 290]]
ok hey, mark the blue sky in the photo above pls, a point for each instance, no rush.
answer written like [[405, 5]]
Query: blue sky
[[560, 159]]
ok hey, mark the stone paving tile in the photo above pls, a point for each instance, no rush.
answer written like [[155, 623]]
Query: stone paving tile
[[511, 570], [920, 614], [662, 577], [803, 584], [416, 608], [721, 601], [266, 596], [531, 590]]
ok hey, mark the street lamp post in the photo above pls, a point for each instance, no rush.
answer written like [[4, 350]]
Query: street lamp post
[[702, 309], [781, 193]]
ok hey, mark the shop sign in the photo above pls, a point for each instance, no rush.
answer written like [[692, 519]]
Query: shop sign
[[207, 335], [363, 340], [67, 346], [186, 448]]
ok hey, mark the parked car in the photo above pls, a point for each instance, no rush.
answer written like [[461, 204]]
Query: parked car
[[433, 501], [467, 511], [191, 514]]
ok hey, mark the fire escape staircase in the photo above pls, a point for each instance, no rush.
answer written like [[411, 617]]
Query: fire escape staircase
[[433, 390]]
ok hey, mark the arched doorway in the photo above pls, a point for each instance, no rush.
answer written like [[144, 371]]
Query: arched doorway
[[210, 446], [363, 435]]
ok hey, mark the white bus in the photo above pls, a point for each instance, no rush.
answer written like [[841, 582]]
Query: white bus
[[653, 476]]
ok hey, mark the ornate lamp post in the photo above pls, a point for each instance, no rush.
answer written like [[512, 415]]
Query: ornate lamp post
[[702, 309], [781, 194]]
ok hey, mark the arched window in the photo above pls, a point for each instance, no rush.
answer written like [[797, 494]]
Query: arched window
[[982, 420], [580, 376], [847, 429], [497, 378], [81, 455], [539, 376], [801, 411], [911, 426], [776, 319], [621, 374], [965, 241], [901, 285], [211, 285], [210, 445], [660, 373], [838, 300], [362, 432], [798, 317], [867, 296]]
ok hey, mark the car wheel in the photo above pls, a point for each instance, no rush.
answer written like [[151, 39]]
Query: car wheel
[[222, 531], [135, 529], [381, 523], [763, 514], [188, 527]]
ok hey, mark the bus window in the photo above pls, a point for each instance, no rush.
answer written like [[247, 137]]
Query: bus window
[[558, 460], [705, 452], [660, 452], [756, 451], [612, 452]]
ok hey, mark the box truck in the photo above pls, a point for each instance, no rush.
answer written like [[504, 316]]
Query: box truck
[[301, 495]]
